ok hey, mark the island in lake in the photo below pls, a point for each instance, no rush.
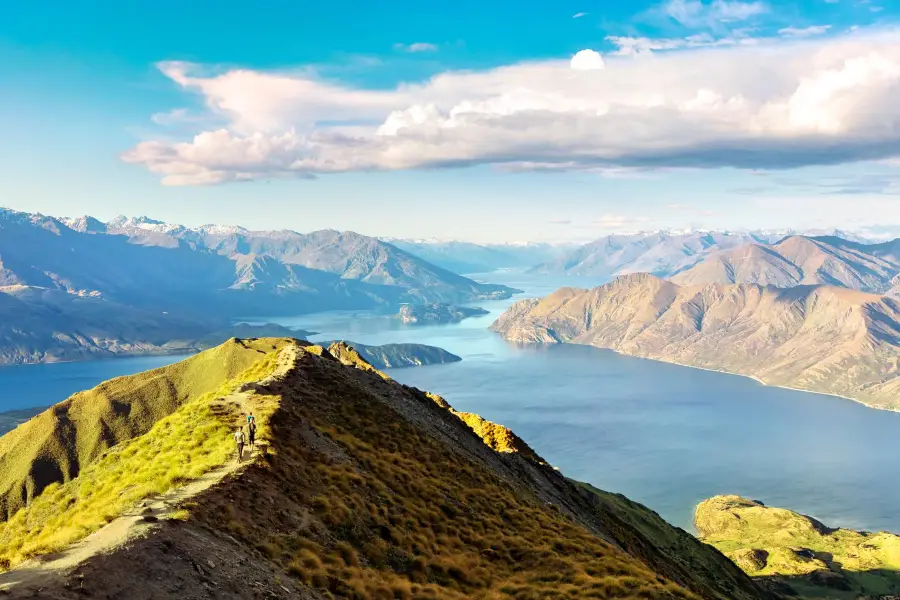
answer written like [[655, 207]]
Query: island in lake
[[395, 356], [437, 313]]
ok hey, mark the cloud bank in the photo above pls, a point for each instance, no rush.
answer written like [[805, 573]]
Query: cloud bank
[[775, 104]]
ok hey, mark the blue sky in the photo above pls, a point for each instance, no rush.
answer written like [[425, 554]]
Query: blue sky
[[469, 120]]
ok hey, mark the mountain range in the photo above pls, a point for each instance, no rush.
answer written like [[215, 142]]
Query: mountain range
[[801, 260], [661, 253], [812, 337], [81, 286]]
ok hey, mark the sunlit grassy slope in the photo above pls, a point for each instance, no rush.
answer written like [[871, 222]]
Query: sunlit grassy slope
[[810, 557], [378, 490], [178, 447], [58, 443]]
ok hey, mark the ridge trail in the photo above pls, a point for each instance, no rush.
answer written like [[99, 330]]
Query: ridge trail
[[38, 572]]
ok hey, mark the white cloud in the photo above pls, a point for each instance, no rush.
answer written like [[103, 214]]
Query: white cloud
[[804, 31], [776, 104], [579, 15], [696, 13], [416, 47], [587, 60]]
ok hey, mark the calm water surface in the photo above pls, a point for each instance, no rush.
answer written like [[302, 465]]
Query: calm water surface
[[664, 435], [28, 386]]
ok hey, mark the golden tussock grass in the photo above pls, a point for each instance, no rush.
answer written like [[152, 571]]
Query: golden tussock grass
[[359, 503]]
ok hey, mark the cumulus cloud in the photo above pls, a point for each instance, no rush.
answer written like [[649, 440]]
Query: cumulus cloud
[[774, 105], [587, 60], [416, 47]]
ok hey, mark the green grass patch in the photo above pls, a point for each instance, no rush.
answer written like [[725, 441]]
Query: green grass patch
[[178, 448], [814, 559]]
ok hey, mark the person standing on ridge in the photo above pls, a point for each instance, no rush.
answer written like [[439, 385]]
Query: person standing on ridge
[[239, 441]]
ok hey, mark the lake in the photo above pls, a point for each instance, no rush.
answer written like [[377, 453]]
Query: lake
[[664, 435], [28, 386]]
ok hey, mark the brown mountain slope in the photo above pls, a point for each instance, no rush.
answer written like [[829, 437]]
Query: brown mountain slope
[[371, 489], [58, 443], [817, 338], [797, 260]]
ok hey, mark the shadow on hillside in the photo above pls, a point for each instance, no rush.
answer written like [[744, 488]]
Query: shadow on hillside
[[837, 584]]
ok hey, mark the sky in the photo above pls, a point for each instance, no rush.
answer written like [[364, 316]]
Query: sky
[[483, 121]]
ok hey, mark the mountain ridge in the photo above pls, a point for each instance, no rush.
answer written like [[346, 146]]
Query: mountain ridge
[[800, 260], [816, 338], [664, 252], [375, 489]]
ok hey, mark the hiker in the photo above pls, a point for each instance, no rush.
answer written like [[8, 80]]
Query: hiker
[[252, 430], [239, 440], [251, 420]]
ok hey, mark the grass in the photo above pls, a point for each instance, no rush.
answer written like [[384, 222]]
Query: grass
[[812, 558], [56, 445], [669, 549], [366, 505], [178, 448]]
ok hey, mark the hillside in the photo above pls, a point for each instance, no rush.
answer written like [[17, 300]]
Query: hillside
[[365, 488], [813, 559], [61, 441], [799, 260], [817, 338]]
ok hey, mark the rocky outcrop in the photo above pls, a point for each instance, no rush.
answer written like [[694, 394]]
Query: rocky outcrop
[[818, 338]]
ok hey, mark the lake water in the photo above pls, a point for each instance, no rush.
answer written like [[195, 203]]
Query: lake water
[[28, 386], [664, 435]]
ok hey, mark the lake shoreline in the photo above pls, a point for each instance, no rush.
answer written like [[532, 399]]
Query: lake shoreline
[[753, 377]]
